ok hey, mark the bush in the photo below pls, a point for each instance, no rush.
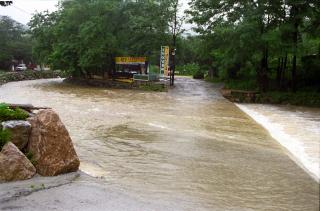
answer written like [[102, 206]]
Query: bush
[[198, 75], [7, 113], [154, 69], [214, 80], [188, 69], [241, 84], [311, 73], [4, 138], [299, 98], [248, 71], [152, 87]]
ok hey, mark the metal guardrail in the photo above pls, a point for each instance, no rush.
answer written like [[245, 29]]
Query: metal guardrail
[[140, 77], [153, 77]]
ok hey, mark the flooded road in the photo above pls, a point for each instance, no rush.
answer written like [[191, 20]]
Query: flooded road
[[189, 148]]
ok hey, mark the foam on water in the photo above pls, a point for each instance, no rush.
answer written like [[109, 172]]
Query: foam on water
[[158, 125], [302, 140]]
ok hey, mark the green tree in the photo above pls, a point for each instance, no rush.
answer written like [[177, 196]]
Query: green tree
[[14, 43], [262, 35], [83, 37]]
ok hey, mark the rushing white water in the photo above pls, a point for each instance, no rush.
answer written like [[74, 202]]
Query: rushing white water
[[295, 128]]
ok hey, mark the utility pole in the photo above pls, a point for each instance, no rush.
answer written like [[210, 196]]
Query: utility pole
[[173, 67], [174, 38], [176, 29]]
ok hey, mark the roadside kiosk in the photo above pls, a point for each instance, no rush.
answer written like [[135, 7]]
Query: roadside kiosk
[[127, 67]]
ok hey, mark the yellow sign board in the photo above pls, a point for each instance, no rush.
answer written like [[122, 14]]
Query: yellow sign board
[[164, 60], [131, 60]]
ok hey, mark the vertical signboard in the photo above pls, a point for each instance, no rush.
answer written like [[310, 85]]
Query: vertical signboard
[[164, 60]]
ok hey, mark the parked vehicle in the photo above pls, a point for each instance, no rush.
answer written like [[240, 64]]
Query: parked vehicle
[[21, 67], [31, 66], [39, 68]]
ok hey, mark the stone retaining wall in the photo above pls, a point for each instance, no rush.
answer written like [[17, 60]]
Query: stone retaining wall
[[28, 75], [118, 84], [239, 96]]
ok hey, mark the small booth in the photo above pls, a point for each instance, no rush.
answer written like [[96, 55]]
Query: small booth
[[127, 67]]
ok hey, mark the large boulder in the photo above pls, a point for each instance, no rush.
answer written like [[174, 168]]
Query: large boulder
[[51, 145], [19, 132], [14, 165]]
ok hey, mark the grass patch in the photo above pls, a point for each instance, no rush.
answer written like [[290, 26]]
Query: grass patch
[[153, 87], [187, 69], [214, 80], [245, 84], [198, 75], [311, 99], [237, 84], [4, 138], [307, 96], [30, 157], [3, 72], [7, 113]]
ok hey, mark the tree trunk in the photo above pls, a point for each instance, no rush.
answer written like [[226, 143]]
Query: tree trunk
[[263, 73], [211, 73], [294, 60], [284, 67], [280, 61], [173, 59], [174, 37], [294, 74]]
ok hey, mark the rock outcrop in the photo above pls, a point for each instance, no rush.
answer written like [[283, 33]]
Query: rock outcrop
[[51, 145], [14, 165], [19, 132]]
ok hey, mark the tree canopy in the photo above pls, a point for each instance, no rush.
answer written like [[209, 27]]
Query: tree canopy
[[83, 37], [15, 42], [273, 43], [258, 37]]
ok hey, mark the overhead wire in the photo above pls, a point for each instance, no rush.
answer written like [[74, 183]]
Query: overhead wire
[[22, 10]]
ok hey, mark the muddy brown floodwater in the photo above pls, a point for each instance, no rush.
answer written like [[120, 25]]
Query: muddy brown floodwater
[[188, 148]]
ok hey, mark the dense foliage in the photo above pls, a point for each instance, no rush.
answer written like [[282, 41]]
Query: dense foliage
[[192, 69], [263, 45], [310, 98], [15, 43], [4, 138], [83, 37], [275, 43], [7, 113]]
